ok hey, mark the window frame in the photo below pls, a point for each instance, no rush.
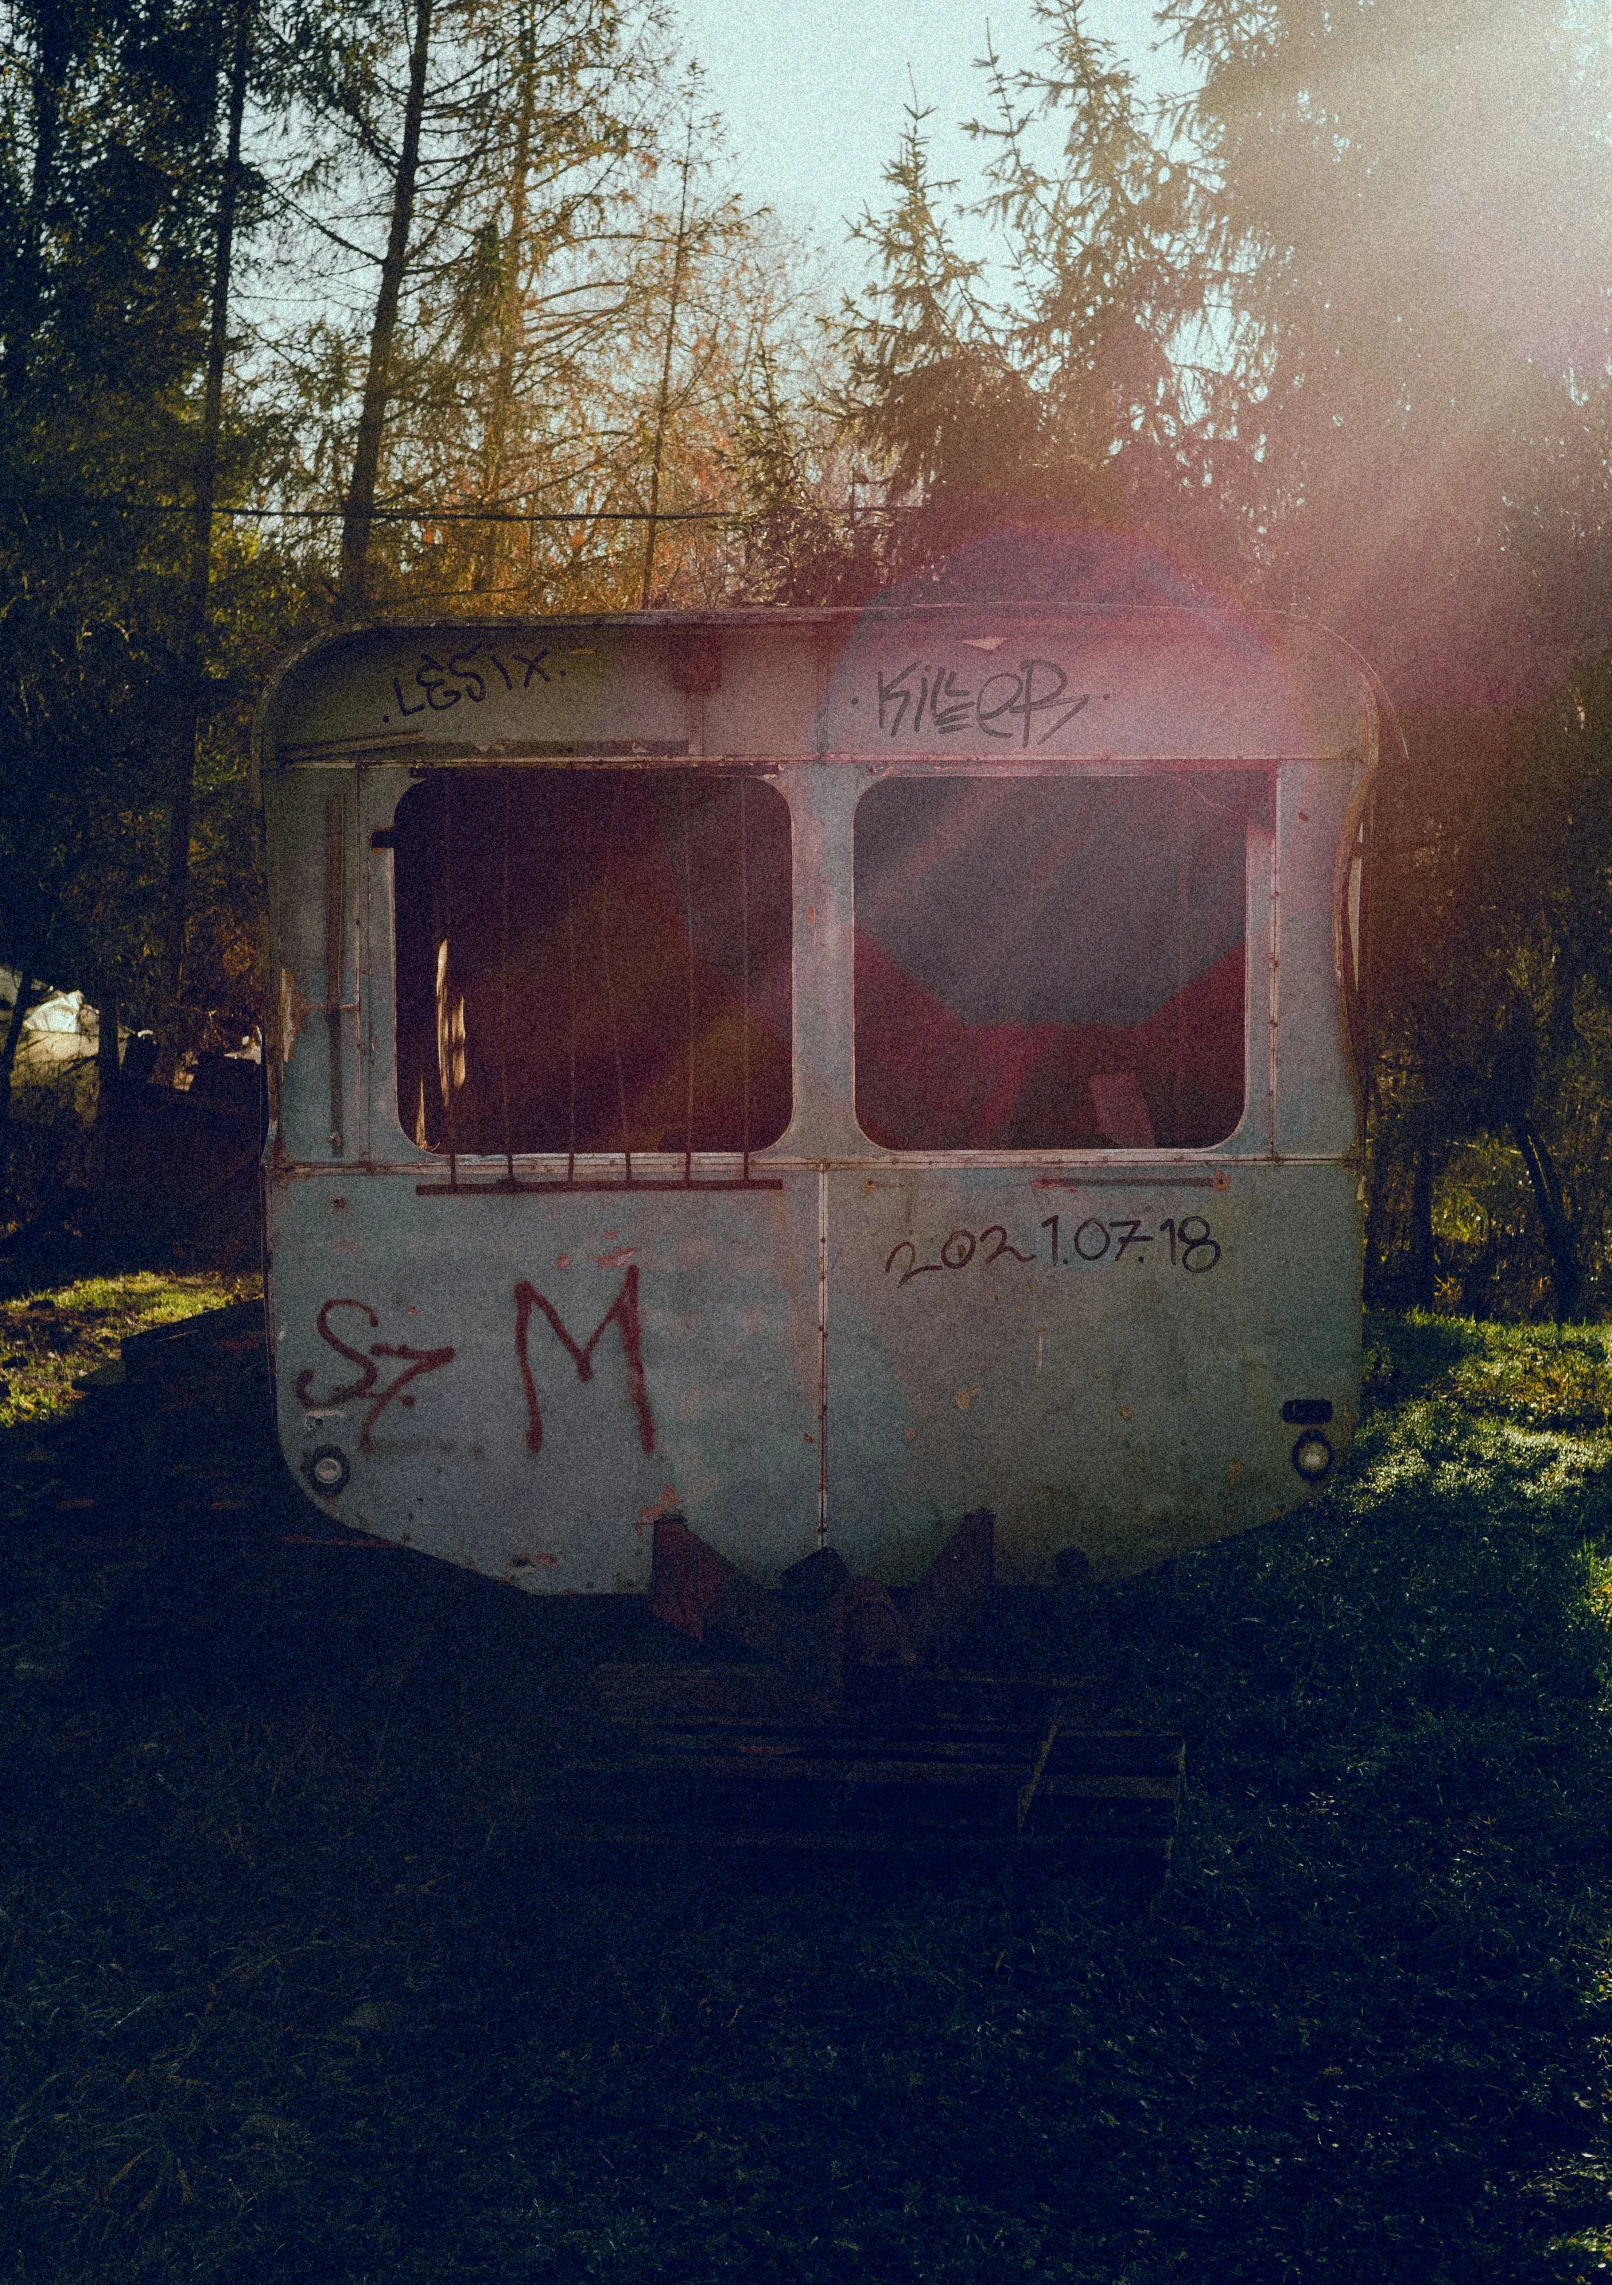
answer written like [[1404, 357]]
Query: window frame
[[592, 1169], [1260, 894]]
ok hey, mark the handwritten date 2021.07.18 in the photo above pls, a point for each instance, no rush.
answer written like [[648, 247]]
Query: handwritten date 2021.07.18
[[1189, 1244]]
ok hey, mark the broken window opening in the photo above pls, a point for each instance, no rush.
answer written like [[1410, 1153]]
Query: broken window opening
[[1053, 963], [593, 962]]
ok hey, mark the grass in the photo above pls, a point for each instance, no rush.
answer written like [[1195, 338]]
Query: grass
[[59, 1334], [300, 1984]]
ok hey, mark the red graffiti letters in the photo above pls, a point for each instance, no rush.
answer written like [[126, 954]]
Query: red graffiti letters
[[368, 1374], [417, 1361], [623, 1314], [367, 1384]]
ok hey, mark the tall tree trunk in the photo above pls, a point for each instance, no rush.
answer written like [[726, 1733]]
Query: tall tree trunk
[[1423, 1267], [55, 37], [27, 997], [1561, 1241], [360, 509], [108, 1075], [664, 397], [176, 914], [1378, 1280], [108, 1061], [509, 317]]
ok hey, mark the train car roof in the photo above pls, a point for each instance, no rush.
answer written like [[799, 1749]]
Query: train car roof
[[1021, 683]]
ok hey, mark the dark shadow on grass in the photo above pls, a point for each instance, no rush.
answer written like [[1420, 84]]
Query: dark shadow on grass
[[1405, 1355], [225, 1586], [102, 1234], [297, 1945]]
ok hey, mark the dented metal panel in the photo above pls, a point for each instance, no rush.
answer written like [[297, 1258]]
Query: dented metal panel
[[519, 1358]]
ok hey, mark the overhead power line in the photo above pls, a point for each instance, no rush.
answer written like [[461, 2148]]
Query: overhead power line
[[392, 515]]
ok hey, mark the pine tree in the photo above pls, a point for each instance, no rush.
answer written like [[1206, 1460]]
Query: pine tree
[[1051, 379]]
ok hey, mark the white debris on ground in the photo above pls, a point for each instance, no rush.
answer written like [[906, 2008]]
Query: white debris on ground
[[54, 1071]]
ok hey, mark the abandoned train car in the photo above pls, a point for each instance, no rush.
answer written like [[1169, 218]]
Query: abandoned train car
[[818, 1073]]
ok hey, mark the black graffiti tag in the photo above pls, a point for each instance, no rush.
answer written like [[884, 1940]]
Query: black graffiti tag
[[961, 1247], [437, 687], [1009, 705]]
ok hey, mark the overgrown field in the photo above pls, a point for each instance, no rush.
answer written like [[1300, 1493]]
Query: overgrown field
[[298, 1986]]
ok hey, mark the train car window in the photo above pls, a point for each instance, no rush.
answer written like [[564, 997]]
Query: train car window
[[593, 960], [1052, 963]]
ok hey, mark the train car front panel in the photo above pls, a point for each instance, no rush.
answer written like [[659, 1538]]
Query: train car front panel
[[816, 1073]]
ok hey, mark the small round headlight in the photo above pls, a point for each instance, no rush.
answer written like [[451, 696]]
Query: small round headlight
[[327, 1470], [1312, 1456]]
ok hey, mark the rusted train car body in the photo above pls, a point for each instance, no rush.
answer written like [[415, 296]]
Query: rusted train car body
[[818, 1073]]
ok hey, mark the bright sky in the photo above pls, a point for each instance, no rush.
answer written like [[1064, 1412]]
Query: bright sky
[[813, 91]]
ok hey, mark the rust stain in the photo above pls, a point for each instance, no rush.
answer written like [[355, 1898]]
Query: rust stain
[[1234, 1471], [1127, 1412], [965, 1397], [294, 1012], [669, 1503]]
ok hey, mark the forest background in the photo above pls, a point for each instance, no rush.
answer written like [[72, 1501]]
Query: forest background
[[444, 306]]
